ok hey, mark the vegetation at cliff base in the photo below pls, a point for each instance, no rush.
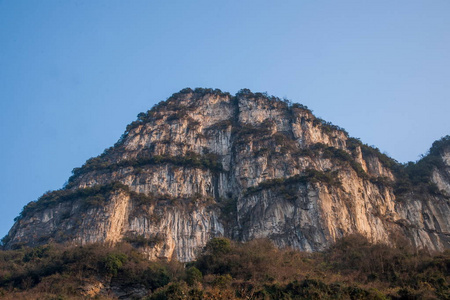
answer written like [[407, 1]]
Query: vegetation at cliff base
[[352, 268]]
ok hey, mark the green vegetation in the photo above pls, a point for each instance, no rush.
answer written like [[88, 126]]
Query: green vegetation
[[287, 143], [288, 105], [193, 276], [264, 98], [261, 136], [99, 195], [143, 241], [92, 196], [350, 269], [171, 104], [418, 174], [208, 161], [335, 153], [246, 131], [221, 125], [58, 272], [298, 106], [208, 91], [328, 127], [412, 176], [367, 151], [228, 209], [113, 262], [309, 176]]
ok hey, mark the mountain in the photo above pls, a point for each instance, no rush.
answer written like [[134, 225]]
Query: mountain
[[206, 164]]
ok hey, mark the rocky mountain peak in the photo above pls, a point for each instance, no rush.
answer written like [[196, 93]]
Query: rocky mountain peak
[[205, 163]]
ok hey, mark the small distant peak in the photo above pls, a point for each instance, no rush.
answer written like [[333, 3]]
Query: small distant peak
[[440, 146]]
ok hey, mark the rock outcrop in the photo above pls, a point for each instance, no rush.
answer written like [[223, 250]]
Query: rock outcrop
[[205, 163]]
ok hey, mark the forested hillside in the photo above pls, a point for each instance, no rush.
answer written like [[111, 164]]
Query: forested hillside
[[350, 269]]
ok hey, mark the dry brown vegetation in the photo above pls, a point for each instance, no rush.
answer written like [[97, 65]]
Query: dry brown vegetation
[[351, 269]]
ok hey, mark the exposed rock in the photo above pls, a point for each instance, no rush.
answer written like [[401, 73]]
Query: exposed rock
[[205, 164], [91, 289]]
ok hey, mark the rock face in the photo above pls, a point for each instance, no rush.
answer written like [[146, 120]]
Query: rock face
[[204, 164]]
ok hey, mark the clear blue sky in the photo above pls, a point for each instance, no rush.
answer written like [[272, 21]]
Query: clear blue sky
[[73, 74]]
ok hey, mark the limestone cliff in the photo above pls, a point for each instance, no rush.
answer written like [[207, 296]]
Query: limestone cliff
[[205, 163]]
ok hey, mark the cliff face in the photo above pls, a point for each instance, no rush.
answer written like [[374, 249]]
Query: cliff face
[[205, 164]]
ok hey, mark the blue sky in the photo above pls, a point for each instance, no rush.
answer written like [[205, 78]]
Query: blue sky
[[73, 74]]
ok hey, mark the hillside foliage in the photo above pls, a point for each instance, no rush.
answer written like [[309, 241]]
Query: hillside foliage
[[351, 269]]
